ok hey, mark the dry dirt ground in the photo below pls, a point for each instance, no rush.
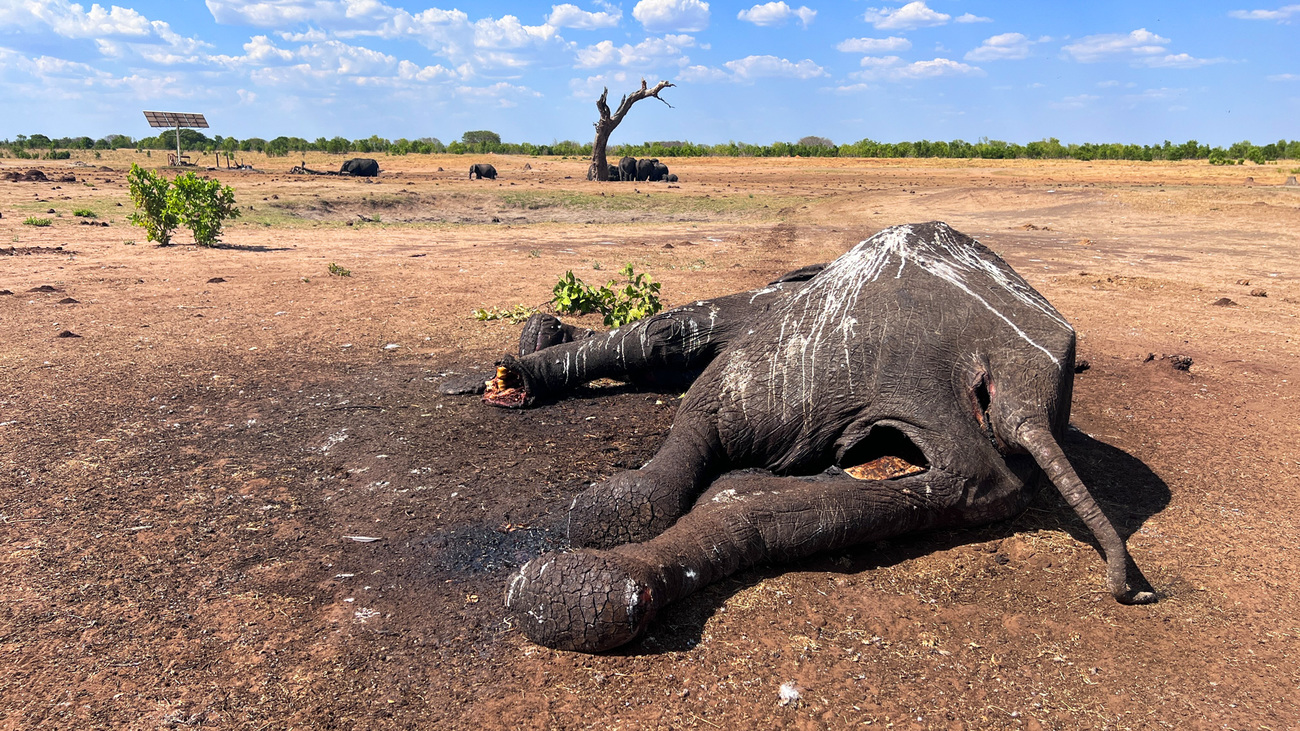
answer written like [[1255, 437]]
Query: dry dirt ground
[[179, 482]]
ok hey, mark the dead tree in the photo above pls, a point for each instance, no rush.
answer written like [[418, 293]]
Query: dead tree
[[599, 169]]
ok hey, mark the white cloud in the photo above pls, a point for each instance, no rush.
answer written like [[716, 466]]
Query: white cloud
[[754, 67], [893, 68], [873, 45], [1075, 102], [502, 93], [312, 35], [271, 13], [1001, 47], [153, 38], [909, 17], [589, 89], [1281, 15], [683, 16], [650, 53], [777, 13], [703, 74], [1140, 48], [1179, 61], [1284, 77], [1107, 46], [971, 18], [1162, 94], [571, 16]]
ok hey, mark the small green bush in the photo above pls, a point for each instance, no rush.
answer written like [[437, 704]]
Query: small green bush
[[58, 155], [156, 210], [635, 298], [85, 213], [515, 315], [204, 206], [39, 222], [200, 204], [337, 271]]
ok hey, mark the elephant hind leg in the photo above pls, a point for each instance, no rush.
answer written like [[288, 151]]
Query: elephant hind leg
[[603, 598]]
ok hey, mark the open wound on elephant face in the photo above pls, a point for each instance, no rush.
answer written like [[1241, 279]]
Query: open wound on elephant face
[[885, 454], [507, 389]]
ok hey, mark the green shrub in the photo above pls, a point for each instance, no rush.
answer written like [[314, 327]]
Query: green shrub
[[337, 271], [40, 222], [58, 155], [156, 210], [201, 205], [204, 206], [515, 315], [572, 295], [631, 300], [85, 213]]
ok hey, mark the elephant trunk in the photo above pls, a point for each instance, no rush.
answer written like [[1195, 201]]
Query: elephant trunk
[[1037, 439]]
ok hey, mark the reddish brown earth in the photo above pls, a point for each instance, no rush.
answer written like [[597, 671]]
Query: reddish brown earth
[[179, 483]]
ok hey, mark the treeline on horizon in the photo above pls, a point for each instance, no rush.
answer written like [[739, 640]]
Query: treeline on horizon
[[484, 142]]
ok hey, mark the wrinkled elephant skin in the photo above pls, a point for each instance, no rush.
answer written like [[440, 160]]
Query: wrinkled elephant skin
[[916, 382]]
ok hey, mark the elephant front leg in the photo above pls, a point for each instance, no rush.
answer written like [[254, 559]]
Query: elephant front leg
[[638, 505], [593, 600]]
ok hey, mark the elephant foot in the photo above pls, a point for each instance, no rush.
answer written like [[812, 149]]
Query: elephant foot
[[585, 601], [626, 508], [543, 331], [511, 387]]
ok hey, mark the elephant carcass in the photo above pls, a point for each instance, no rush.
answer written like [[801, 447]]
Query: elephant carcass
[[672, 177], [482, 170], [627, 169], [361, 167], [916, 382]]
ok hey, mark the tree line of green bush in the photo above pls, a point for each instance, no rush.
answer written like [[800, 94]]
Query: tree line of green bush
[[485, 141]]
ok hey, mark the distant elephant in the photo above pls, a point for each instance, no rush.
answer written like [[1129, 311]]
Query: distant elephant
[[613, 172], [672, 178], [361, 167], [627, 169], [645, 169], [660, 172], [482, 170]]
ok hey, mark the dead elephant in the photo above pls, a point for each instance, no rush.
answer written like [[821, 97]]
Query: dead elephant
[[361, 167], [916, 382]]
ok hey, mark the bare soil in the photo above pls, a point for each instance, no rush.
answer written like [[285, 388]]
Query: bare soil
[[198, 445]]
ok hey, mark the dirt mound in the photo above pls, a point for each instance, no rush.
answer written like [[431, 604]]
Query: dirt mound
[[31, 176]]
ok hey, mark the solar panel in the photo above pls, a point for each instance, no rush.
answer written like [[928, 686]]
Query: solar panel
[[176, 119]]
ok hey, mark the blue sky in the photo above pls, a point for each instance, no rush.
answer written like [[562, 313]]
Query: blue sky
[[1100, 71]]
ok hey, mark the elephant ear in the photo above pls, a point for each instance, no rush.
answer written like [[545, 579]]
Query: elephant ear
[[799, 275]]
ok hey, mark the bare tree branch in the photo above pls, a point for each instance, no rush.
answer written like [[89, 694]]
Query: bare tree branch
[[599, 169]]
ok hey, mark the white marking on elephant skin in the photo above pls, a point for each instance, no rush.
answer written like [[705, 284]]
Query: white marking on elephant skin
[[631, 596], [727, 496], [763, 291], [514, 584], [829, 303]]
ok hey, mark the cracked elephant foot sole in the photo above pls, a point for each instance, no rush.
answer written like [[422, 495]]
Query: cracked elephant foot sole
[[624, 509], [586, 601]]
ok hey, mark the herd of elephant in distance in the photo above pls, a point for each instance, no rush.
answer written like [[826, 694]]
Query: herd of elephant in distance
[[627, 169]]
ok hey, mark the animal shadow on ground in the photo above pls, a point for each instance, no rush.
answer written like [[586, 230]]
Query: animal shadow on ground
[[1127, 490], [251, 247]]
